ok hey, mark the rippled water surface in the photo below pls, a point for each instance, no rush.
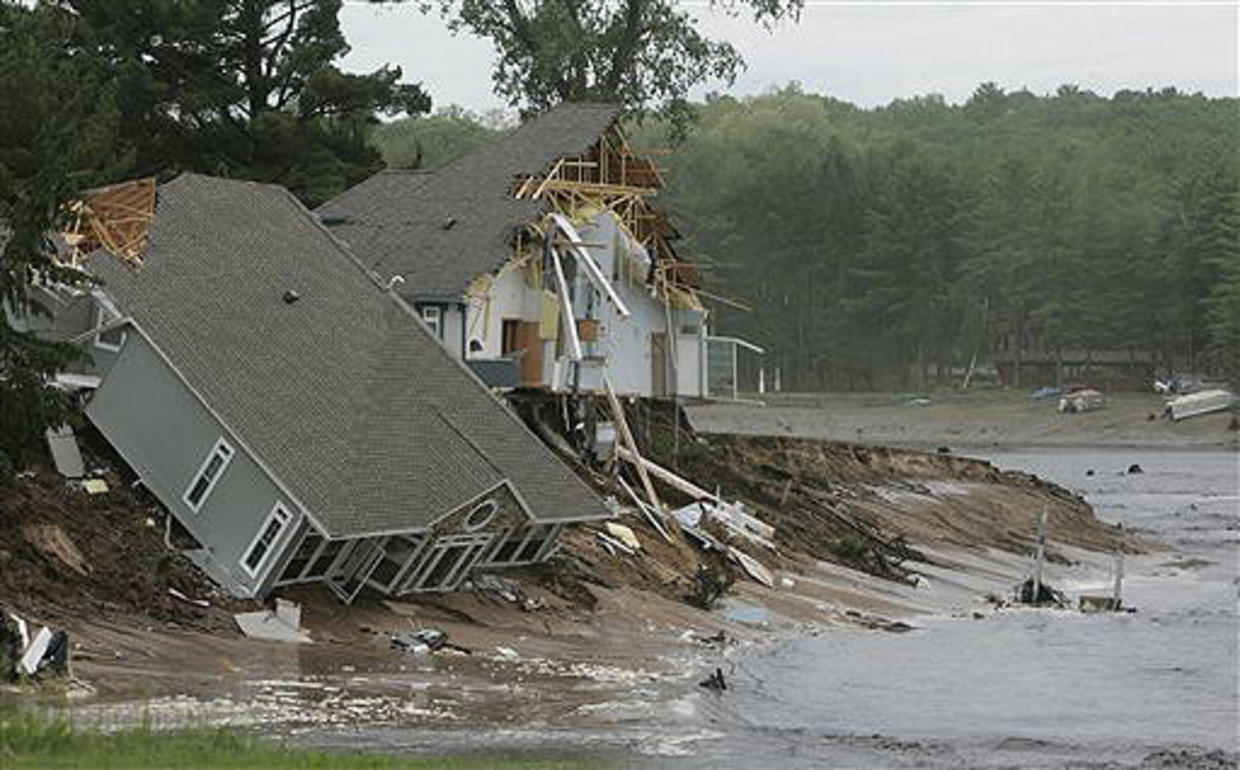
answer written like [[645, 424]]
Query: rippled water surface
[[1027, 688], [1017, 689]]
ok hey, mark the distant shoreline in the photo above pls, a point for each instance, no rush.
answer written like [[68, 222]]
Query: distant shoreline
[[979, 421]]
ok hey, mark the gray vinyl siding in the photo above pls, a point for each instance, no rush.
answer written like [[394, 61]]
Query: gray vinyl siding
[[164, 432], [68, 317]]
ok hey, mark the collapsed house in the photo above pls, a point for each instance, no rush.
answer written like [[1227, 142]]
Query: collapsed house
[[293, 415], [541, 261]]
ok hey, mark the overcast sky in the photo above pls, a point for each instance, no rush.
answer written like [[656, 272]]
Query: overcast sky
[[869, 53]]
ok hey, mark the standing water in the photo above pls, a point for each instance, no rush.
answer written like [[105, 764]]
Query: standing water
[[1017, 689], [1030, 688]]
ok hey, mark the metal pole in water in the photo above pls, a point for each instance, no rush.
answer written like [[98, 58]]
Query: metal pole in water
[[1039, 557], [1119, 567]]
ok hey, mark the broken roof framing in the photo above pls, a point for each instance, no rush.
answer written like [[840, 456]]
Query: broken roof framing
[[257, 337], [610, 176]]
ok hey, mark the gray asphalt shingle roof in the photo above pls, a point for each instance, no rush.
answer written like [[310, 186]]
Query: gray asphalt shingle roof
[[350, 402], [398, 223]]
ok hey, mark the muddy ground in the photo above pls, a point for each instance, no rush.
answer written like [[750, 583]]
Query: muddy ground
[[979, 419], [865, 536]]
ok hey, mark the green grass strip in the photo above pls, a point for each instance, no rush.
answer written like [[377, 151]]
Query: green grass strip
[[32, 740]]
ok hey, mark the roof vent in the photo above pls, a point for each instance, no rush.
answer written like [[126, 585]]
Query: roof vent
[[291, 296], [449, 223]]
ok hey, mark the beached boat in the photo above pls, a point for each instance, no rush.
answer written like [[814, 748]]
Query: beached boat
[[1085, 400], [1202, 402]]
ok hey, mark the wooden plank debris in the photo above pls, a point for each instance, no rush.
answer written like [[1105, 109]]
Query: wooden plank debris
[[630, 444], [642, 465], [645, 509], [754, 568], [623, 534], [115, 218], [613, 545], [731, 515]]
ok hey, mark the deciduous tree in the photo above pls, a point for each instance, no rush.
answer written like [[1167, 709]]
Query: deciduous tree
[[639, 53]]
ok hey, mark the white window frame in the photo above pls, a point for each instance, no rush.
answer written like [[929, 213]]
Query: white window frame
[[470, 525], [432, 316], [102, 318], [278, 513], [229, 453]]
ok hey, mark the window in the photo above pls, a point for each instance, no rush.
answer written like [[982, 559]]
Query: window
[[480, 516], [305, 553], [508, 336], [509, 548], [433, 316], [208, 474], [113, 339], [268, 534], [325, 560], [398, 550], [448, 561], [534, 543]]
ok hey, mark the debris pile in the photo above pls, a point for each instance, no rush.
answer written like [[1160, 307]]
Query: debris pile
[[23, 655], [730, 517], [65, 550]]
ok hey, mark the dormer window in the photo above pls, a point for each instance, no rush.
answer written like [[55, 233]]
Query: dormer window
[[432, 316], [109, 339]]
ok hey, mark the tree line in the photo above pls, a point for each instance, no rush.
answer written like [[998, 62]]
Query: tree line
[[892, 247], [888, 247]]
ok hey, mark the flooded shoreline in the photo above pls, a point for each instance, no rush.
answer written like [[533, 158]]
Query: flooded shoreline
[[1028, 688], [968, 686]]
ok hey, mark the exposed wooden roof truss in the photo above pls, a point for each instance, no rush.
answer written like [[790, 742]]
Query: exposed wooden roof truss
[[611, 176], [115, 218]]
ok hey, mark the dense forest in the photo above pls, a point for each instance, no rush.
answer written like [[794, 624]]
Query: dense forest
[[887, 247]]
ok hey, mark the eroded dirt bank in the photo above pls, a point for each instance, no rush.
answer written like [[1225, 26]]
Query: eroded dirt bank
[[864, 536]]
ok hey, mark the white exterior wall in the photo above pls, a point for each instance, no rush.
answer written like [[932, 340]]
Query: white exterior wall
[[623, 351], [691, 360], [508, 297], [453, 331], [625, 342]]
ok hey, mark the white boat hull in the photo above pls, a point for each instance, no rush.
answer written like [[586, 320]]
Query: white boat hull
[[1204, 402]]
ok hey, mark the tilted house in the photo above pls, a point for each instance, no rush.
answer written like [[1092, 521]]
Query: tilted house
[[540, 260], [295, 415]]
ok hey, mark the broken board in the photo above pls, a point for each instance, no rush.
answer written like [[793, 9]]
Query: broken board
[[754, 568], [65, 453]]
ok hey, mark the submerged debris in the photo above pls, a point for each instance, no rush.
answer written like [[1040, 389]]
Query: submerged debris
[[421, 642], [715, 681], [1041, 595]]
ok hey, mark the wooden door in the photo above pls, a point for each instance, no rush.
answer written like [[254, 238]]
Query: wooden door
[[530, 340]]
